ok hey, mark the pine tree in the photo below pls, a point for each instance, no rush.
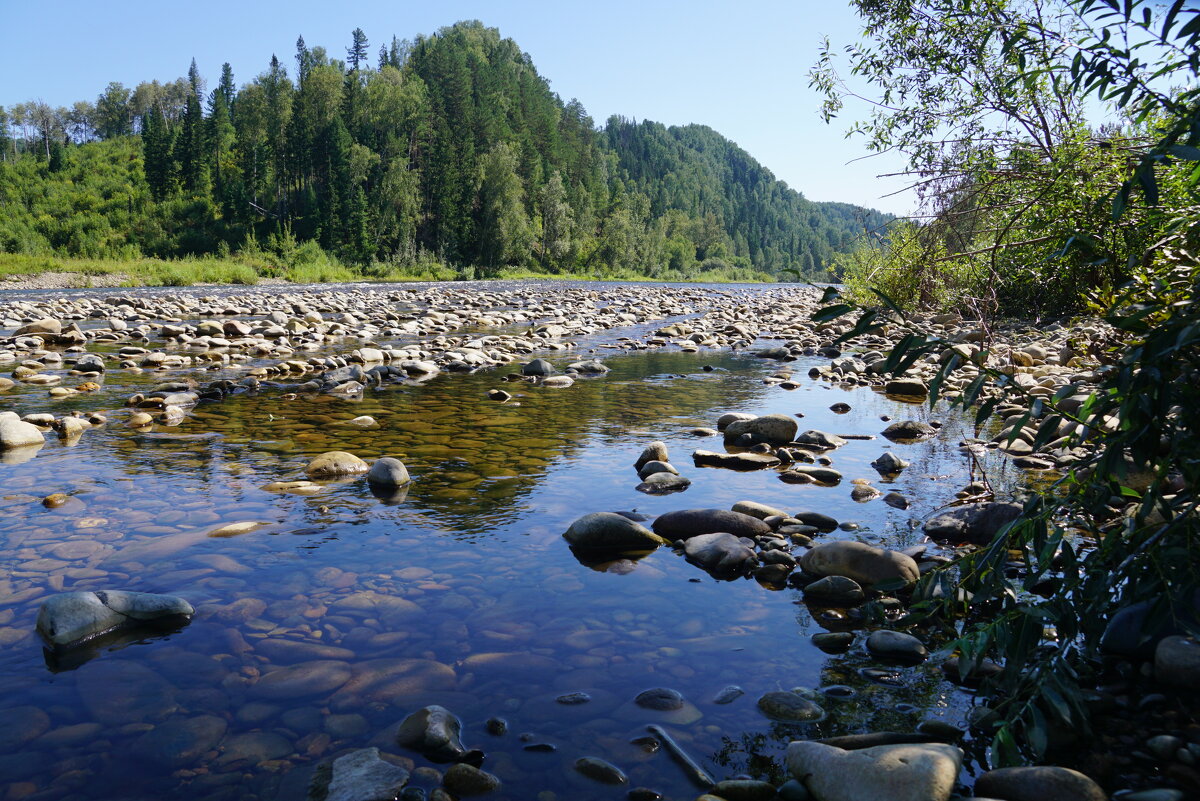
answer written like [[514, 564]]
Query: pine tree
[[356, 53]]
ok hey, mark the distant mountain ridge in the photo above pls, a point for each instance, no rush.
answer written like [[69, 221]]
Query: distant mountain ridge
[[450, 147]]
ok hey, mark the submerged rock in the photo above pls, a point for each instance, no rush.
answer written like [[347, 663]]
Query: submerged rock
[[72, 618], [913, 772], [598, 770]]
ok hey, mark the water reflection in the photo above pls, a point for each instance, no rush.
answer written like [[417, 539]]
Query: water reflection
[[321, 627]]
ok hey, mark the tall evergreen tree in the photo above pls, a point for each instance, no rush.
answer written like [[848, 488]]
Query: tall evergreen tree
[[356, 53]]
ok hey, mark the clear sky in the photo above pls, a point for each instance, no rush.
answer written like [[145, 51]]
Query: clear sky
[[738, 66]]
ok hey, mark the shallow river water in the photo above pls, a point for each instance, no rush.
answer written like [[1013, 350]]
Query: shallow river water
[[322, 628]]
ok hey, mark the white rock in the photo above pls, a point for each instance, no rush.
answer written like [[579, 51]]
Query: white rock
[[910, 772]]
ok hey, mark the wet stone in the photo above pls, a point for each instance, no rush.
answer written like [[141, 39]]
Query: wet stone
[[601, 771], [662, 699], [790, 707]]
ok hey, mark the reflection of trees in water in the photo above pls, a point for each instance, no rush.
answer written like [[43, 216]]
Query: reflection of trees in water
[[471, 471]]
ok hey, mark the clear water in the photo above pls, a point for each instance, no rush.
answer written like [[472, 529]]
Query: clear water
[[461, 592]]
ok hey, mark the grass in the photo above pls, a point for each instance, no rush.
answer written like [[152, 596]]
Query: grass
[[250, 268]]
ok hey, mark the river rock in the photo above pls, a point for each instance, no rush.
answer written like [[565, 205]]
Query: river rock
[[790, 707], [654, 452], [776, 429], [117, 692], [822, 522], [662, 699], [15, 433], [433, 731], [908, 431], [317, 677], [720, 553], [685, 523], [744, 790], [537, 367], [896, 646], [734, 461], [1038, 783], [976, 523], [70, 618], [466, 780], [725, 420], [835, 591], [388, 472], [655, 466], [759, 510], [818, 473], [861, 562], [910, 772], [662, 483], [358, 776], [19, 725], [180, 741], [334, 464], [598, 770], [906, 386], [608, 531], [820, 439], [46, 325], [889, 464], [1177, 662]]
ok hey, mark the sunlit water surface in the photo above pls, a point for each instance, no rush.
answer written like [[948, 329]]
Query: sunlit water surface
[[460, 592]]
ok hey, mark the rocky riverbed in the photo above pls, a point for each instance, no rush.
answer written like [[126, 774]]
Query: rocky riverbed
[[361, 495]]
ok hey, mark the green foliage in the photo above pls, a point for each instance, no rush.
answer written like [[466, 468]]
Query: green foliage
[[996, 148], [452, 156], [1103, 544]]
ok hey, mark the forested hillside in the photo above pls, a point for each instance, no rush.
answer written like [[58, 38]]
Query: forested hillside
[[447, 149]]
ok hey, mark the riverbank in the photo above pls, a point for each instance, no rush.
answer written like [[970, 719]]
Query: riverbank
[[51, 272], [182, 437]]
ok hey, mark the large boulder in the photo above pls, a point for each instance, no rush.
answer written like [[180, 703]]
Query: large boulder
[[777, 429], [71, 618], [686, 523], [608, 531], [976, 523], [721, 554], [1038, 783], [909, 772], [861, 562], [335, 464], [537, 367]]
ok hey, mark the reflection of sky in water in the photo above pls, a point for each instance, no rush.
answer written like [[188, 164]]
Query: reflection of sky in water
[[475, 546]]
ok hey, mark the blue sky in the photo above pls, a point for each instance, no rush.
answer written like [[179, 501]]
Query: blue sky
[[739, 67]]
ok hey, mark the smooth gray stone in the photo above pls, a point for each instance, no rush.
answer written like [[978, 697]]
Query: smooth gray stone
[[70, 618], [915, 772]]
